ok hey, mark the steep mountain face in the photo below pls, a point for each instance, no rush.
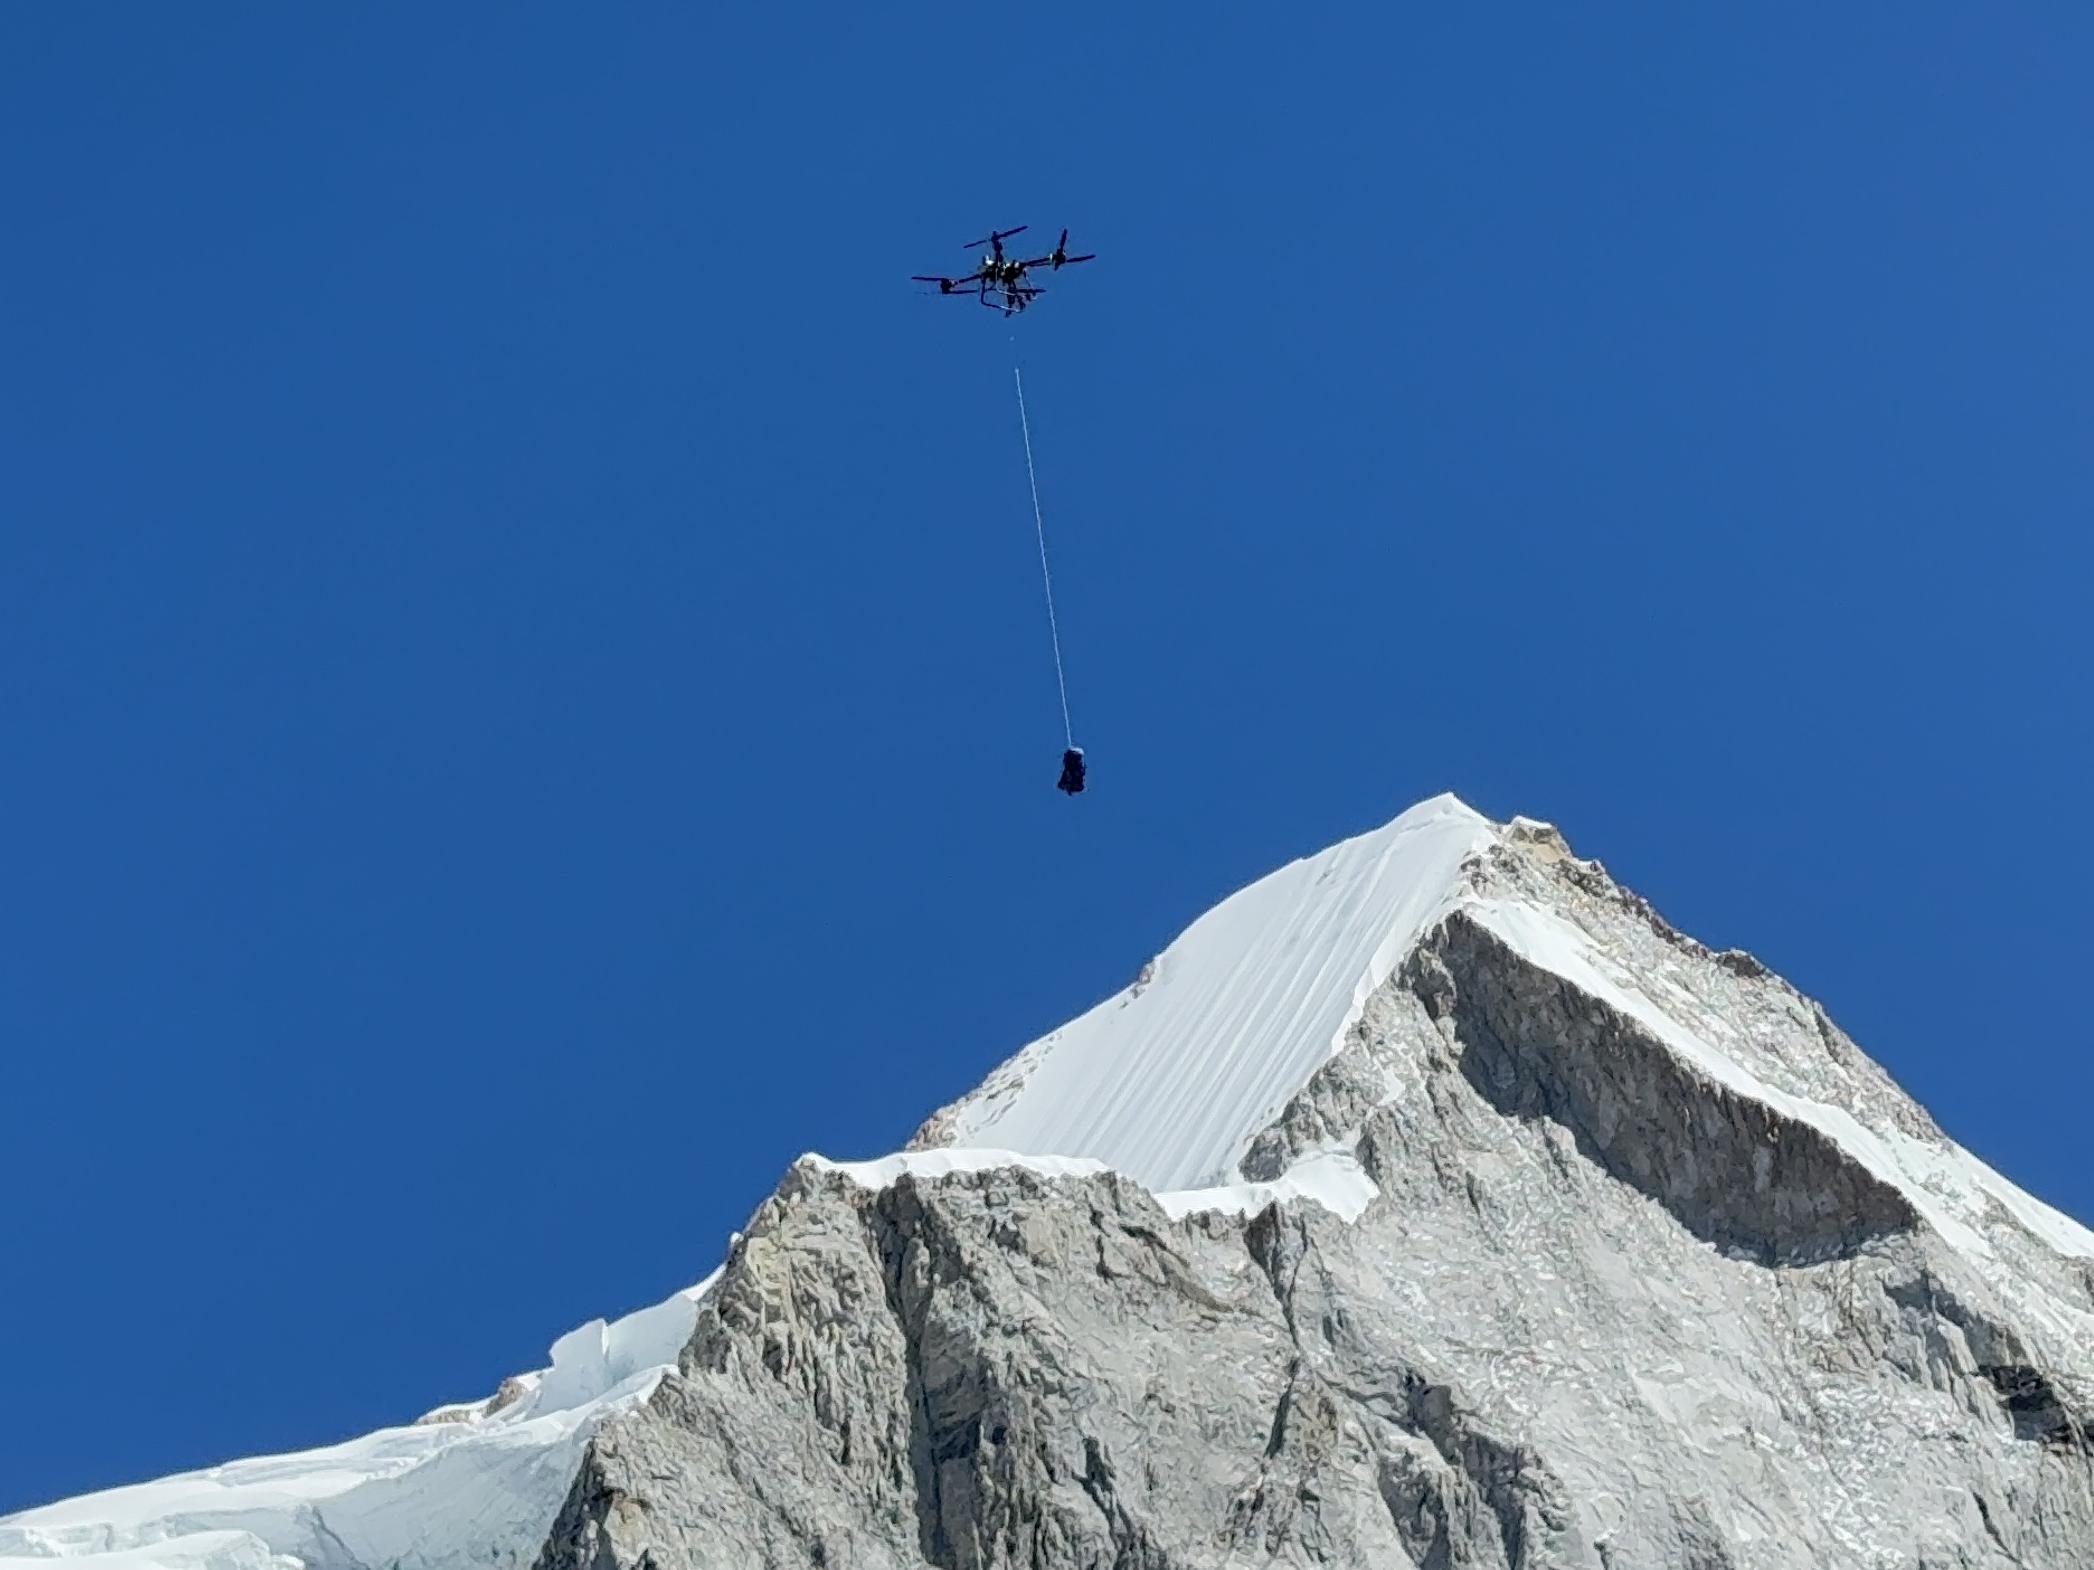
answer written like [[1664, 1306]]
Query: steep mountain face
[[1430, 1203]]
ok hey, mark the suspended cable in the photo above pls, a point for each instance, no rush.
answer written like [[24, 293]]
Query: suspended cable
[[1039, 523]]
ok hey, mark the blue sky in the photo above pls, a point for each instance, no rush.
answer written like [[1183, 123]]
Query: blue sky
[[521, 653]]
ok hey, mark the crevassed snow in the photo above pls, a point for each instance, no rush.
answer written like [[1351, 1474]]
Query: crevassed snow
[[478, 1488], [1170, 1080]]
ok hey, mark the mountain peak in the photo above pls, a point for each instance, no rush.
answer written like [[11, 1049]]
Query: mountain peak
[[1171, 1079], [1579, 1193], [1253, 1048]]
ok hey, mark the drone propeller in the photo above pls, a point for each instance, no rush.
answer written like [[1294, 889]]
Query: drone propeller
[[1062, 258], [1059, 257], [995, 237]]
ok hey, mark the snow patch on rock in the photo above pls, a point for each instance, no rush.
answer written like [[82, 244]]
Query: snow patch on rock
[[1329, 1177], [889, 1170], [1332, 1178]]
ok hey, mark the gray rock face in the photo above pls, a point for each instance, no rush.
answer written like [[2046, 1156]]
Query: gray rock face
[[1661, 1274]]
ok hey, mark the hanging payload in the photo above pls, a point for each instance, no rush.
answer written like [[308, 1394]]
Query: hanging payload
[[1072, 772]]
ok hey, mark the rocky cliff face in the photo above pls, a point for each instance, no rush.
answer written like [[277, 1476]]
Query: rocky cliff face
[[1654, 1269], [1431, 1203]]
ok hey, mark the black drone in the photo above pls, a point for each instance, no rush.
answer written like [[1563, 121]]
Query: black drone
[[999, 283]]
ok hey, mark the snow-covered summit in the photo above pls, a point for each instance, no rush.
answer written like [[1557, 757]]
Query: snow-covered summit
[[1174, 1080], [1293, 1047], [1170, 1080]]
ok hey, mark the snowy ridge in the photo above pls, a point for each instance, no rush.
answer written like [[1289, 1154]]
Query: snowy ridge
[[493, 1478], [1169, 1081], [1949, 1187]]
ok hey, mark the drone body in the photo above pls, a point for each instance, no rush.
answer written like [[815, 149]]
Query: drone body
[[1000, 281]]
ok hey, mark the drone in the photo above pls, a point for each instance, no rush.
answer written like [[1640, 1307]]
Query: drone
[[999, 283]]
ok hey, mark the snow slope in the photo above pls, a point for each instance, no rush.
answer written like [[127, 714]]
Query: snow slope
[[409, 1495], [1169, 1081]]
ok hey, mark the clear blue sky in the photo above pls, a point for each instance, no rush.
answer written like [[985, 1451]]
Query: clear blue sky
[[524, 685]]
